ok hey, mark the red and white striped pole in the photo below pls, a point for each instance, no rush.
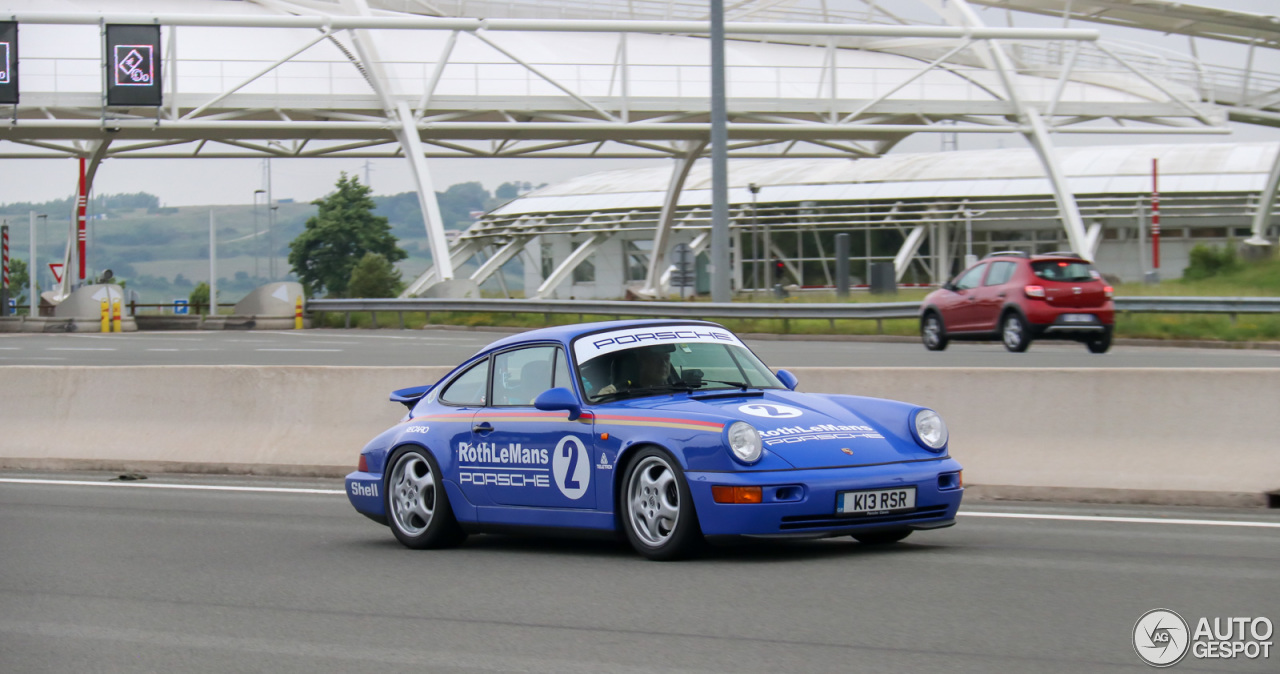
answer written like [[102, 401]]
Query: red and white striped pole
[[4, 270], [82, 203], [1155, 214]]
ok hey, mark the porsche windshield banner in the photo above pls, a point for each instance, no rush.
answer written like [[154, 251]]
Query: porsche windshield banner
[[590, 346]]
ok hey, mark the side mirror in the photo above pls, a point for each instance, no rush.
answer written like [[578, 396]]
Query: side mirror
[[410, 396], [555, 399], [788, 380]]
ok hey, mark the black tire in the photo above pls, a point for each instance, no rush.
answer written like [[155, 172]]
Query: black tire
[[933, 333], [418, 509], [1101, 343], [1014, 333], [883, 537], [656, 508]]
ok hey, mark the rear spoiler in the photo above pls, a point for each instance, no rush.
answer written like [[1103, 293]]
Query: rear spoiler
[[410, 396]]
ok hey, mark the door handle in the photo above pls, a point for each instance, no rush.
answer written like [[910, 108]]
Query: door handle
[[482, 427], [1001, 294]]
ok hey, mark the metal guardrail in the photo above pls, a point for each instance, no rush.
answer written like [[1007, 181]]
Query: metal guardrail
[[1199, 305], [829, 311]]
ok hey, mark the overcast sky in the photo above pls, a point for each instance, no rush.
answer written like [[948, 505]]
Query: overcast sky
[[184, 182]]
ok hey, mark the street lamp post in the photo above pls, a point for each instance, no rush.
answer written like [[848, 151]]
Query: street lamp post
[[755, 240], [257, 243], [271, 238]]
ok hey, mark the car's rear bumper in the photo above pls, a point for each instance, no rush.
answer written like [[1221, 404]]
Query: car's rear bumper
[[802, 503], [364, 490]]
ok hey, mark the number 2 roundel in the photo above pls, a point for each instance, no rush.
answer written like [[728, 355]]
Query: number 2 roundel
[[571, 466]]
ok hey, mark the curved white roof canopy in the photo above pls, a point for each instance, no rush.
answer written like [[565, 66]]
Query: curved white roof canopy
[[1194, 168], [533, 92]]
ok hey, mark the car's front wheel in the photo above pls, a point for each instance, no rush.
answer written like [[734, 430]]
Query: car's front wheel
[[882, 537], [1013, 331], [420, 514], [657, 509], [932, 332]]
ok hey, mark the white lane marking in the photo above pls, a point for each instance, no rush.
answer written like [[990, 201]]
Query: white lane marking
[[164, 349], [10, 348], [80, 348], [967, 513], [304, 350], [1122, 520], [195, 487]]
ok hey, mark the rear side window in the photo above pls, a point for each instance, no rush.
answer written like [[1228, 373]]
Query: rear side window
[[1000, 273], [469, 387], [1065, 271]]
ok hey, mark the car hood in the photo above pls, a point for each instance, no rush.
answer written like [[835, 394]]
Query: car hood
[[812, 430]]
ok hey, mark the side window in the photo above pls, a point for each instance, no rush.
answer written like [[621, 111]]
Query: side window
[[521, 375], [468, 388], [1000, 274], [971, 278]]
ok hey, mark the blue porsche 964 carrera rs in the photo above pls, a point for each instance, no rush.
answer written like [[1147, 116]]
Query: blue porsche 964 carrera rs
[[665, 431]]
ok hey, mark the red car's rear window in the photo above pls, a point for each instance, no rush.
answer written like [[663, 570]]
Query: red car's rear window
[[1065, 271]]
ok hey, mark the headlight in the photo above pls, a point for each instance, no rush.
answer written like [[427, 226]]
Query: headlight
[[930, 430], [744, 440]]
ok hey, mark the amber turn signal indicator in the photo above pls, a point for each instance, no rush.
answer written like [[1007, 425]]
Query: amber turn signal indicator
[[726, 494]]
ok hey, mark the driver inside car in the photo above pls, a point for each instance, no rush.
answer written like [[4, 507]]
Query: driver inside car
[[640, 368]]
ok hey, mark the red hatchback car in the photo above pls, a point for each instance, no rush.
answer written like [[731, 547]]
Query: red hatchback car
[[1017, 298]]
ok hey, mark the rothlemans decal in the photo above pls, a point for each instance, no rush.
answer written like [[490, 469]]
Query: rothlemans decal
[[791, 434], [591, 346], [512, 465]]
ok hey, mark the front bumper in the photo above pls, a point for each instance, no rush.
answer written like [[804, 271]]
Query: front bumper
[[802, 503]]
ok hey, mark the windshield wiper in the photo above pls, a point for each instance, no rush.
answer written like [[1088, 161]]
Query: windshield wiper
[[645, 390], [736, 384]]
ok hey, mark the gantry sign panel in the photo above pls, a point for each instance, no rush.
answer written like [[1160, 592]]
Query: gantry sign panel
[[133, 65], [8, 63]]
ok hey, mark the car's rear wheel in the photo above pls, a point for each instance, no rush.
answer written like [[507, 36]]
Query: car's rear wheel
[[932, 332], [657, 508], [882, 537], [420, 514], [1013, 331], [1101, 343]]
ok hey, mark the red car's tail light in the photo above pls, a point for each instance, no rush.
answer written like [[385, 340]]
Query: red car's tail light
[[1109, 291], [362, 465], [1034, 291]]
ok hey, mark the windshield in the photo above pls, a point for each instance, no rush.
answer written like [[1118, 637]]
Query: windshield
[[1066, 271], [628, 363]]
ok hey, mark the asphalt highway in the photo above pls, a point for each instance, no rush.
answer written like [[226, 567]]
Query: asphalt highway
[[173, 576], [449, 347]]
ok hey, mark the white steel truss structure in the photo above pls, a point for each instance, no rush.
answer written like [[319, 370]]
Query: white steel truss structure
[[423, 79]]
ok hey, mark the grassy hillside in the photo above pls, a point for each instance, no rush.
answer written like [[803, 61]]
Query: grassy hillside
[[163, 252]]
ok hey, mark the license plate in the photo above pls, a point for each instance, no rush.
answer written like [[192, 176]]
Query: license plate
[[875, 501], [1078, 318]]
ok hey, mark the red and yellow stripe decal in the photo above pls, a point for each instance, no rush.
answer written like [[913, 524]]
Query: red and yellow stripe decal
[[559, 417], [661, 422]]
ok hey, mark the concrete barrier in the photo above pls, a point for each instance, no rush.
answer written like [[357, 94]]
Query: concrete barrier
[[1204, 436]]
